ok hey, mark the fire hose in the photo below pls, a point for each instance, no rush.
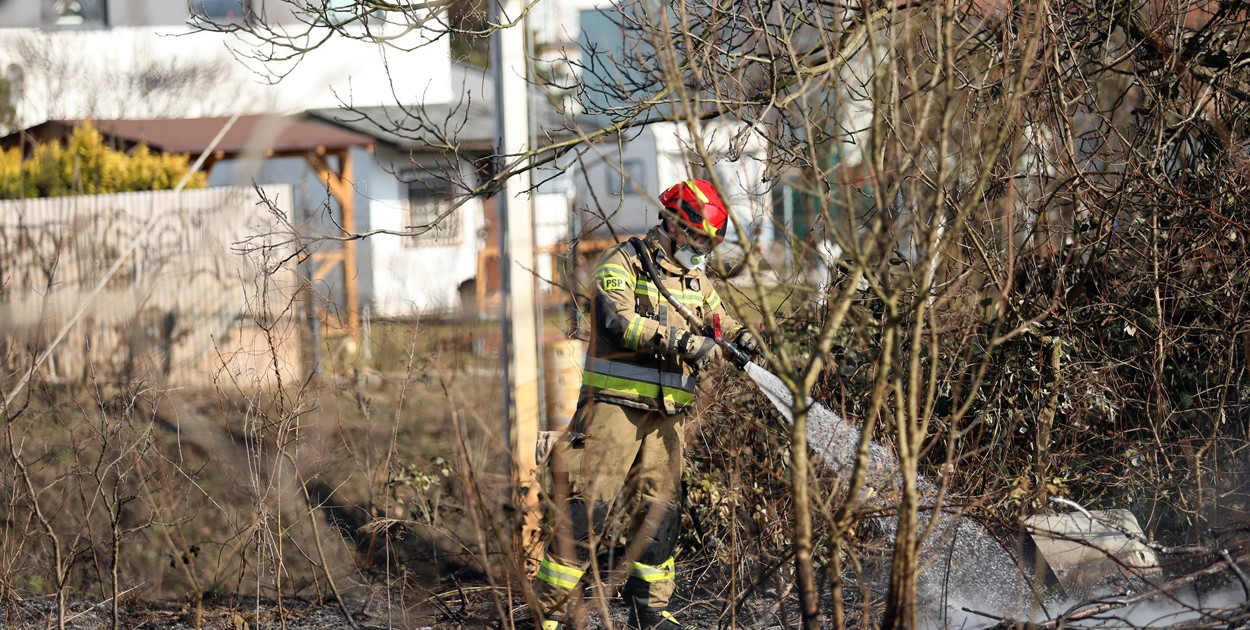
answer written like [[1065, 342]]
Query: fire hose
[[739, 357]]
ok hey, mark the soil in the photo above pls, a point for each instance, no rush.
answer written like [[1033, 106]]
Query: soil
[[386, 456], [224, 614], [467, 607]]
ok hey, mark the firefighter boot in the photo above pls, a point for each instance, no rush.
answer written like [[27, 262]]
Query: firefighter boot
[[652, 578], [558, 576], [643, 617]]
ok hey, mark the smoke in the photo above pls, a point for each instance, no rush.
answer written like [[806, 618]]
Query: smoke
[[963, 564]]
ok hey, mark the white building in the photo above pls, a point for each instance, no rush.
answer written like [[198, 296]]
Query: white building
[[403, 94], [147, 58], [621, 180]]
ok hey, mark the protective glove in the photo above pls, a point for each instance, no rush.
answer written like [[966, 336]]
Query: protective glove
[[696, 350], [746, 343]]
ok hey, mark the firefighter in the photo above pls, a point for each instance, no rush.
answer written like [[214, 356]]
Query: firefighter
[[642, 368]]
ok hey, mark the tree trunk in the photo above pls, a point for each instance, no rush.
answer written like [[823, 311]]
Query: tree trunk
[[900, 607], [809, 602]]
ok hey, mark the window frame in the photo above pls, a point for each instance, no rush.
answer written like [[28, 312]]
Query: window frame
[[626, 178], [346, 14], [430, 195]]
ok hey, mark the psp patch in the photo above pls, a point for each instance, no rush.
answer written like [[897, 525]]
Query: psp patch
[[613, 284]]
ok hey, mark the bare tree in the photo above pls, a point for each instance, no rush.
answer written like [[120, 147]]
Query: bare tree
[[1022, 274], [986, 177]]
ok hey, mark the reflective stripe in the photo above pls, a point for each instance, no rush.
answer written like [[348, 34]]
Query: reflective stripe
[[632, 338], [641, 374], [713, 300], [614, 271], [709, 228], [559, 575], [633, 389], [688, 298], [649, 573], [698, 192]]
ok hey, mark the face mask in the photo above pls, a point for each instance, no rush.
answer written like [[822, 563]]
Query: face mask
[[691, 259]]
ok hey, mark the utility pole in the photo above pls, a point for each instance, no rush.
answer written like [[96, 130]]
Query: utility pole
[[516, 269]]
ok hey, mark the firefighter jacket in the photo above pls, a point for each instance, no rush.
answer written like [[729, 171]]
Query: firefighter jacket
[[632, 359]]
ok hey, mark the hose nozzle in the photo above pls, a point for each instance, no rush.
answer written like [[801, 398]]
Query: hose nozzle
[[735, 354]]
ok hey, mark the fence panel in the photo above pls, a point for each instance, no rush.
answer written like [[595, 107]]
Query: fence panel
[[176, 288]]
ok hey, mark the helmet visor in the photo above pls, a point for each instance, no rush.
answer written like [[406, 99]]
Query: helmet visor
[[698, 241], [695, 218]]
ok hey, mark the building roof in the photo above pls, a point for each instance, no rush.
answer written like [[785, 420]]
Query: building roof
[[267, 134], [438, 127], [467, 124]]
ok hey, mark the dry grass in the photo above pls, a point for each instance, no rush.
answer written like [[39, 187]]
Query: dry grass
[[184, 495]]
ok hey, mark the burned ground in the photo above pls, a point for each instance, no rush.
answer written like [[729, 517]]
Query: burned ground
[[376, 499]]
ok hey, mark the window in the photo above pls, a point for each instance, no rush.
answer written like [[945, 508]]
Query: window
[[346, 13], [627, 179], [75, 13], [339, 11], [222, 11], [430, 206]]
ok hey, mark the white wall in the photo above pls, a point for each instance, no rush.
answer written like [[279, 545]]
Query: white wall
[[395, 279], [553, 209], [31, 13], [740, 169], [632, 208], [410, 280], [107, 73], [557, 21], [165, 12]]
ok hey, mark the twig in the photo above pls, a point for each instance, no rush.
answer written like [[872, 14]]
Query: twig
[[1241, 575], [1074, 505]]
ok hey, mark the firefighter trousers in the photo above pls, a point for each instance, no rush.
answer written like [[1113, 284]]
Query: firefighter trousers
[[630, 459]]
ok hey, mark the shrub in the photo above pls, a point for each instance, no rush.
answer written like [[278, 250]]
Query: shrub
[[86, 165]]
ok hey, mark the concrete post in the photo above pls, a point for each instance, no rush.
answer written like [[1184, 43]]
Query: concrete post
[[516, 261]]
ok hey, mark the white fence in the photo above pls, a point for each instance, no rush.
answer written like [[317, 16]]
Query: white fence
[[180, 289]]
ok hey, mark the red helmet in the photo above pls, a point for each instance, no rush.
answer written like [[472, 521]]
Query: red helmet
[[699, 206]]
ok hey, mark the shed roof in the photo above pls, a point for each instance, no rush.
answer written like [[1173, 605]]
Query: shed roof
[[267, 134], [424, 127]]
